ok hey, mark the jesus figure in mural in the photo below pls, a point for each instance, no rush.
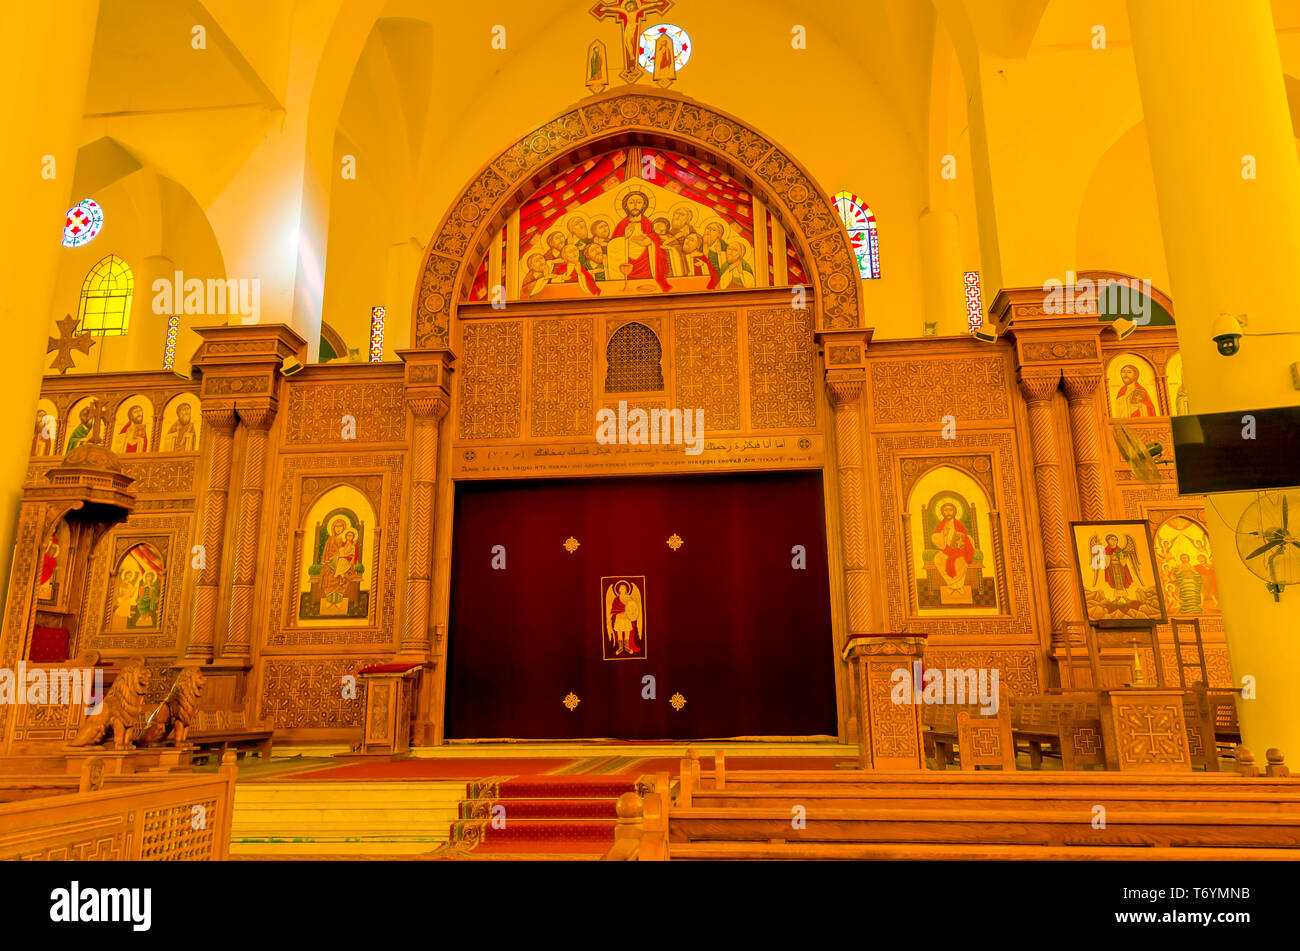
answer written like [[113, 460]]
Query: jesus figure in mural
[[644, 256], [955, 549]]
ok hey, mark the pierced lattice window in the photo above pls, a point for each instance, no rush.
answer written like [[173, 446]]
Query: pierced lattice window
[[635, 360]]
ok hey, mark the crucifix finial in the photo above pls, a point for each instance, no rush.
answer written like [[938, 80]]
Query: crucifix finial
[[630, 14], [67, 341]]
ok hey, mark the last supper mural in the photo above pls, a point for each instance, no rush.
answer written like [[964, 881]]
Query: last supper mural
[[637, 221]]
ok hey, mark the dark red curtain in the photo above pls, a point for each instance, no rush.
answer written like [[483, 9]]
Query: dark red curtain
[[729, 623]]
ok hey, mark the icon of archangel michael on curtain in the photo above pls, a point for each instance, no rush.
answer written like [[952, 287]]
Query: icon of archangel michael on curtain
[[623, 600]]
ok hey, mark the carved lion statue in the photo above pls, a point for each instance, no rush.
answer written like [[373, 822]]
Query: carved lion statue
[[121, 709], [177, 711]]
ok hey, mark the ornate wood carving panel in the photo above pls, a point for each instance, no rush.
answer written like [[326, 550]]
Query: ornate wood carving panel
[[1017, 667], [706, 362], [317, 411], [782, 371], [308, 693], [560, 378], [491, 380], [924, 391]]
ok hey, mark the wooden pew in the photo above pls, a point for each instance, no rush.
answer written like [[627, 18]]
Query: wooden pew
[[925, 814], [220, 730]]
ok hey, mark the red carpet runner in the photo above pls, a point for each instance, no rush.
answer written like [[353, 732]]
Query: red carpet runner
[[566, 815], [534, 815]]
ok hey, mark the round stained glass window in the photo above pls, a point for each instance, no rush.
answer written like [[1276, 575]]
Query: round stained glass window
[[83, 223], [681, 44]]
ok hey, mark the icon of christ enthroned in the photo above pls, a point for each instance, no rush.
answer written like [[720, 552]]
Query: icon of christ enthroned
[[624, 631]]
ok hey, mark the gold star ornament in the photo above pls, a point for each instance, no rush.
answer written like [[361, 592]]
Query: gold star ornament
[[677, 701], [571, 544], [675, 541], [572, 701], [67, 341]]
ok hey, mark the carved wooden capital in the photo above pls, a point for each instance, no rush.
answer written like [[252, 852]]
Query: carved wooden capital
[[1080, 384], [428, 407], [257, 417], [1039, 387], [223, 419], [845, 386]]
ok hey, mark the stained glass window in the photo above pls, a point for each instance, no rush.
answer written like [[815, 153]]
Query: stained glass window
[[169, 348], [377, 315], [974, 301], [861, 224], [681, 45], [105, 308], [83, 222]]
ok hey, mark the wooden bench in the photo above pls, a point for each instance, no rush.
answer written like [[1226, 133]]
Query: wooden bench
[[1036, 721], [219, 730], [853, 814]]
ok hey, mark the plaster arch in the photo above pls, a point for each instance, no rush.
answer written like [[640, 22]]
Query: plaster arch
[[623, 116]]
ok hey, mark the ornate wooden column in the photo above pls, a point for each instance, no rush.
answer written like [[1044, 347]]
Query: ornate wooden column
[[846, 375], [257, 420], [221, 420], [1039, 388], [239, 365], [1080, 385], [428, 394], [428, 377]]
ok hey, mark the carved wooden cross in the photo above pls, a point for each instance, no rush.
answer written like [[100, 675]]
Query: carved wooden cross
[[630, 14], [66, 342], [102, 414]]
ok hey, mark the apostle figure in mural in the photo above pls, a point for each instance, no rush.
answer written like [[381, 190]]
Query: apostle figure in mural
[[642, 256], [1132, 397], [335, 588], [180, 435], [737, 273], [133, 437], [43, 439], [694, 263], [624, 618], [82, 431], [537, 276], [571, 271]]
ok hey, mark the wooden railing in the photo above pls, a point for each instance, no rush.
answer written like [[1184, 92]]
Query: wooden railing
[[137, 817]]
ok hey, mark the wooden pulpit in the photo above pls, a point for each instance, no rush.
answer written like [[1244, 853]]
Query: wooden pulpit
[[889, 733], [390, 689]]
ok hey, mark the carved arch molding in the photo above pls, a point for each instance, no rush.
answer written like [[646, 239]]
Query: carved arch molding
[[663, 119]]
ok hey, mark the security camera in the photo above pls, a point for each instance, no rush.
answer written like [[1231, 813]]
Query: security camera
[[1227, 334]]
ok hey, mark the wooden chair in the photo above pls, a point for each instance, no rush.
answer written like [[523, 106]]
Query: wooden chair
[[1080, 741], [986, 741]]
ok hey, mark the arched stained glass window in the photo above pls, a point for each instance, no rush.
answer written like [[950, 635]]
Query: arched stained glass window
[[105, 308], [861, 224]]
